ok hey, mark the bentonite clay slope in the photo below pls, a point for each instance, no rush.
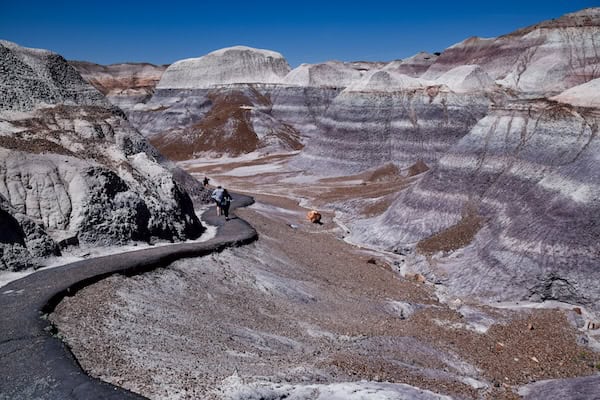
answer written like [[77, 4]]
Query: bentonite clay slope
[[304, 95], [545, 58], [184, 95], [218, 104], [388, 117], [32, 76], [244, 117], [467, 78], [585, 95], [35, 362], [189, 89], [511, 212], [123, 84], [329, 74], [73, 167], [238, 121]]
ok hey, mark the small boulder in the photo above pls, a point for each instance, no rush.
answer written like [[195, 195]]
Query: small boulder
[[313, 216]]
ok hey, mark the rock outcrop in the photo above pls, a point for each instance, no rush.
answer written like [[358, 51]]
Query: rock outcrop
[[304, 95], [72, 169], [218, 104], [30, 77], [22, 240], [237, 121]]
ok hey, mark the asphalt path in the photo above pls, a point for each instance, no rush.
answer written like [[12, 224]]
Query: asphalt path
[[34, 362]]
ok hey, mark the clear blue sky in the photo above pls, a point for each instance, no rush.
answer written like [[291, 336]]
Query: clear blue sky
[[303, 30]]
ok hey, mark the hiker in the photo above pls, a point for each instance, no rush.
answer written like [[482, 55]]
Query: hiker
[[205, 181], [225, 203], [217, 196]]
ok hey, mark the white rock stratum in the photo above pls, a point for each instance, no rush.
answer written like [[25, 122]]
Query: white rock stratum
[[584, 95], [231, 65]]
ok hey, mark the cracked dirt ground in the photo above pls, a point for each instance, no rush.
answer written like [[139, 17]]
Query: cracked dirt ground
[[300, 308]]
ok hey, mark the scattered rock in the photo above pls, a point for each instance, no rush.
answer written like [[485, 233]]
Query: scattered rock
[[401, 309], [592, 325]]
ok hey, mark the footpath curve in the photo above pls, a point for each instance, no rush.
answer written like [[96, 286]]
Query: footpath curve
[[34, 362]]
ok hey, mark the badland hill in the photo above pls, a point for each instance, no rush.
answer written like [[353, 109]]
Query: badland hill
[[506, 130]]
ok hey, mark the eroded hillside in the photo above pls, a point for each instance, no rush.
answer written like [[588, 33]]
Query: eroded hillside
[[72, 169]]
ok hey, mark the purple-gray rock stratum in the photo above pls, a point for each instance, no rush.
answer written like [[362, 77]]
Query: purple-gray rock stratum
[[388, 117]]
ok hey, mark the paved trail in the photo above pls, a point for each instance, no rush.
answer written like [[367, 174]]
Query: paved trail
[[34, 363]]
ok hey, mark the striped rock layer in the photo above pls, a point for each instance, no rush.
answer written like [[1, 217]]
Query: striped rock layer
[[512, 209], [369, 128]]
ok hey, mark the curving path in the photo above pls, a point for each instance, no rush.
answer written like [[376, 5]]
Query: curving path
[[34, 363]]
